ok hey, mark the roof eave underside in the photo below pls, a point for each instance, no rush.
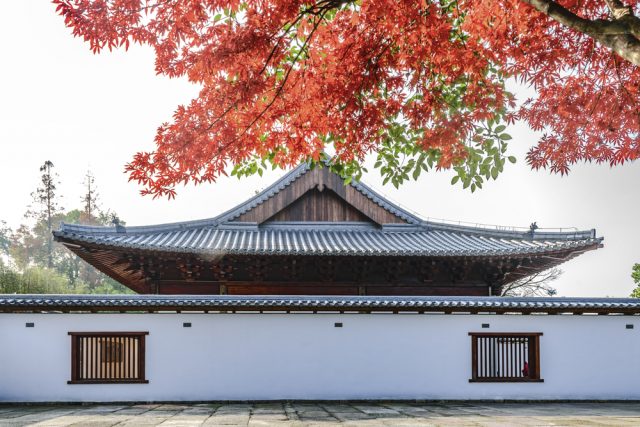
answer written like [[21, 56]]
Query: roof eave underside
[[109, 260]]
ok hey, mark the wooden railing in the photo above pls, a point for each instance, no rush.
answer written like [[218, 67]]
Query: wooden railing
[[107, 357], [505, 357]]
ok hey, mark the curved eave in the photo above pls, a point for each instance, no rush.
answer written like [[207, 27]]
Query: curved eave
[[216, 242], [90, 231]]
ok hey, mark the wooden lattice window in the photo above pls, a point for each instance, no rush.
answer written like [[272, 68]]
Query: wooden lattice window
[[107, 357], [505, 357]]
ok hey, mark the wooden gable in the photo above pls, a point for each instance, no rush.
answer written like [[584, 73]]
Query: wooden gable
[[316, 205], [319, 195]]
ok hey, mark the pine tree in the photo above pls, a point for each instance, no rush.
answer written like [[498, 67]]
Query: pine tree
[[45, 197]]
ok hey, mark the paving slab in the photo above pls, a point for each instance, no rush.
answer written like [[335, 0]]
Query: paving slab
[[310, 414]]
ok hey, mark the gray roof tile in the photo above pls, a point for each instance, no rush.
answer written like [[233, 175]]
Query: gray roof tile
[[357, 241], [11, 303]]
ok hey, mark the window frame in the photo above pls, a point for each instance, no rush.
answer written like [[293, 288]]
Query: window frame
[[140, 362], [533, 357]]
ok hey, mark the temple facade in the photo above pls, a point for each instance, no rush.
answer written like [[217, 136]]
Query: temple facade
[[309, 234], [317, 290]]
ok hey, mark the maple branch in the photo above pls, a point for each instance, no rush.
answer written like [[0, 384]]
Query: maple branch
[[325, 6], [280, 88], [312, 10], [622, 34], [286, 76]]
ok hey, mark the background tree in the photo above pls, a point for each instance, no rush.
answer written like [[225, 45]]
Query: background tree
[[92, 213], [35, 267], [5, 238], [538, 285], [420, 83], [90, 198], [635, 275], [46, 207]]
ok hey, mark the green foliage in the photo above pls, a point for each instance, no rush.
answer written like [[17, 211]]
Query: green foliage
[[400, 158], [403, 152], [635, 275], [33, 280], [36, 264], [486, 158], [41, 280], [5, 238]]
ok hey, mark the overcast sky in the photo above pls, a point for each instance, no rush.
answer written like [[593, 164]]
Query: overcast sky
[[82, 111]]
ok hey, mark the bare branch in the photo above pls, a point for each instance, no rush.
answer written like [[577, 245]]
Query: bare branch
[[537, 284]]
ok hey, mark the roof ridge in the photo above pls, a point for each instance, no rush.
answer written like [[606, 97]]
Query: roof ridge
[[385, 203], [266, 194]]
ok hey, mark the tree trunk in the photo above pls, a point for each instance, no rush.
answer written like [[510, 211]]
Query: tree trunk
[[621, 34]]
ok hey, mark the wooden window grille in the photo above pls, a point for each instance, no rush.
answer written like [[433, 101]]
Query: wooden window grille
[[107, 357], [505, 357]]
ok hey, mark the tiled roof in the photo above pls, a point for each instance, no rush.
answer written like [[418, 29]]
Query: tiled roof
[[305, 239], [16, 303], [416, 237]]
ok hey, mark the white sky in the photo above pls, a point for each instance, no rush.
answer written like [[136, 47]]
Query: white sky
[[60, 102]]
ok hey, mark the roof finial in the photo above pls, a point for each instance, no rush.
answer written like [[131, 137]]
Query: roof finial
[[116, 221]]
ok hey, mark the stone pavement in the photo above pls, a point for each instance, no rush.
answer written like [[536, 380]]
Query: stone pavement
[[326, 414]]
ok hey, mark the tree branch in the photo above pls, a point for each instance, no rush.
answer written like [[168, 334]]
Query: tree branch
[[622, 35], [537, 284]]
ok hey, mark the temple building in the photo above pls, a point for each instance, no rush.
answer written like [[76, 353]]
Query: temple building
[[310, 234], [316, 290]]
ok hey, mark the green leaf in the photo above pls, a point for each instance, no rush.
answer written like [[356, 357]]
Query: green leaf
[[494, 173], [505, 137], [500, 129], [416, 173], [512, 159]]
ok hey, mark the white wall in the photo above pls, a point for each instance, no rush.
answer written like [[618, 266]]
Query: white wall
[[303, 356]]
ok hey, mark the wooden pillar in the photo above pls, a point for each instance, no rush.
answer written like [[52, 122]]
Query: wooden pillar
[[154, 287]]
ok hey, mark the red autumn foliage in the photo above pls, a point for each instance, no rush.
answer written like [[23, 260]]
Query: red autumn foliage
[[284, 78]]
